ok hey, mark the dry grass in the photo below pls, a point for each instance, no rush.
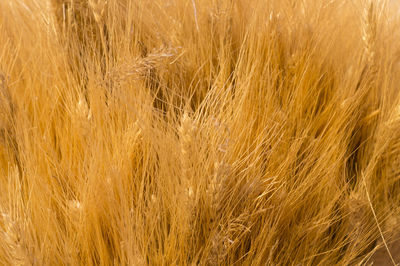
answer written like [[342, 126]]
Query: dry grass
[[199, 132]]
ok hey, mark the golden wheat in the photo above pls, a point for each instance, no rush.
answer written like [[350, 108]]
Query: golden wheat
[[199, 132]]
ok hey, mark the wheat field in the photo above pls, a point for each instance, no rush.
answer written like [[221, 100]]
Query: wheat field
[[199, 132]]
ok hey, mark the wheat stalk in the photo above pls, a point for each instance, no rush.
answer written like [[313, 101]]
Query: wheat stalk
[[369, 31]]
